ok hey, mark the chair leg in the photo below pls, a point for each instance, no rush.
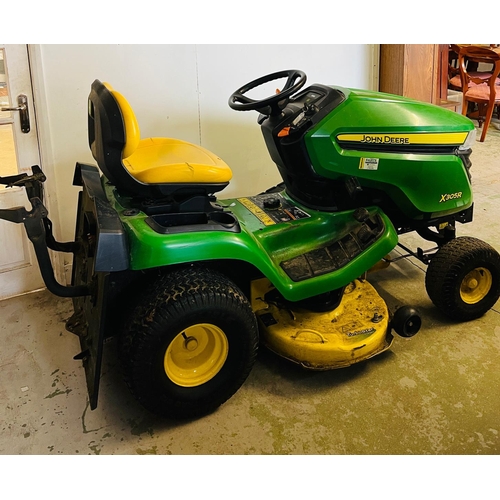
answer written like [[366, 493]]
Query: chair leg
[[487, 120], [482, 110], [465, 105]]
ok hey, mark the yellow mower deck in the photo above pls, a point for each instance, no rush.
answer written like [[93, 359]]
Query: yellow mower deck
[[356, 330]]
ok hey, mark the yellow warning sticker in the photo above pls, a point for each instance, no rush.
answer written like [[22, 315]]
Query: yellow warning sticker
[[258, 212], [368, 163]]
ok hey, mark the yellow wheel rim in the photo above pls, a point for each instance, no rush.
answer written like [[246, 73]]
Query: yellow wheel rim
[[476, 285], [196, 355]]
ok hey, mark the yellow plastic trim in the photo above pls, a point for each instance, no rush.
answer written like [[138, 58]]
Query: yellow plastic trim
[[196, 355], [476, 285], [451, 138], [164, 160]]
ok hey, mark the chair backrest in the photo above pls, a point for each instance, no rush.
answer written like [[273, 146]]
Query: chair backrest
[[453, 51], [480, 55], [454, 80], [113, 135]]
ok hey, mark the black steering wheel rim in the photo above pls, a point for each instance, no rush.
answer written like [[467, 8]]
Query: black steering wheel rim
[[272, 105]]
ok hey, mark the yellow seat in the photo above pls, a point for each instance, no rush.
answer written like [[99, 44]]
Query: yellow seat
[[161, 160], [155, 168]]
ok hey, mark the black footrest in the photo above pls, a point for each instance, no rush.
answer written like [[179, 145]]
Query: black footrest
[[335, 255]]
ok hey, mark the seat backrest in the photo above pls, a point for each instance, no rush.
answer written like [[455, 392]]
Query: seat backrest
[[113, 135], [479, 55]]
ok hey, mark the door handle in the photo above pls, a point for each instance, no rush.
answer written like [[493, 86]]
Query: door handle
[[24, 115]]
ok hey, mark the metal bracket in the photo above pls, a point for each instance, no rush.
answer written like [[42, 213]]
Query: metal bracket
[[39, 230], [423, 256], [35, 229]]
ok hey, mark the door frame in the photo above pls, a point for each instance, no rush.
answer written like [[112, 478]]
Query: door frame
[[20, 270], [47, 159]]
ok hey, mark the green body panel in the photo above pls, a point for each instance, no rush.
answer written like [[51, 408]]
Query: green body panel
[[430, 183], [416, 182], [264, 247]]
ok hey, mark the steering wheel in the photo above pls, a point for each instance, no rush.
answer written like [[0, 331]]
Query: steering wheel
[[270, 105]]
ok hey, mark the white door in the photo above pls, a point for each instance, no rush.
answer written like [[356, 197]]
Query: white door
[[19, 150]]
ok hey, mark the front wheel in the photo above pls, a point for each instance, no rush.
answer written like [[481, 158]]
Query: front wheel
[[463, 278], [190, 345]]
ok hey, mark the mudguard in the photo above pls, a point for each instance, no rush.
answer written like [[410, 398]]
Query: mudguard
[[101, 249]]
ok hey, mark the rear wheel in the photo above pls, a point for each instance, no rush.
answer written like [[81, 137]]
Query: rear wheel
[[190, 345], [463, 278]]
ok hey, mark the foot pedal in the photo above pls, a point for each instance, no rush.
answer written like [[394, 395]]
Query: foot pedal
[[353, 187]]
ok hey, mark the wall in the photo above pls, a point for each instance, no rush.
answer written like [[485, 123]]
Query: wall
[[176, 91]]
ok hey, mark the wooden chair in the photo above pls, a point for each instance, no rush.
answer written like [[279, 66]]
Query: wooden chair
[[454, 76], [483, 92], [454, 79]]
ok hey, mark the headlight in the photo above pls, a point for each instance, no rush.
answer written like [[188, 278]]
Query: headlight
[[469, 141]]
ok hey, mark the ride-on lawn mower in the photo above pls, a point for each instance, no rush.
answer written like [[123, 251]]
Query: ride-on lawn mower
[[191, 284]]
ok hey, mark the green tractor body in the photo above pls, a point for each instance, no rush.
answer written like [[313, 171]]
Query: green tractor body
[[380, 140], [191, 278]]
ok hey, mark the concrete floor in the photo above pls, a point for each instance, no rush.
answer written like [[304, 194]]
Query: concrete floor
[[436, 393]]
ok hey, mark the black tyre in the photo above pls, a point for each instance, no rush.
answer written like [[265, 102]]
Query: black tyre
[[463, 278], [190, 345]]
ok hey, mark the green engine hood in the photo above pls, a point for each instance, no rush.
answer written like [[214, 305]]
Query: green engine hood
[[367, 111], [405, 148]]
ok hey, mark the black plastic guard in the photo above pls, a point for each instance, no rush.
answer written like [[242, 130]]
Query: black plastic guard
[[88, 322], [102, 250]]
